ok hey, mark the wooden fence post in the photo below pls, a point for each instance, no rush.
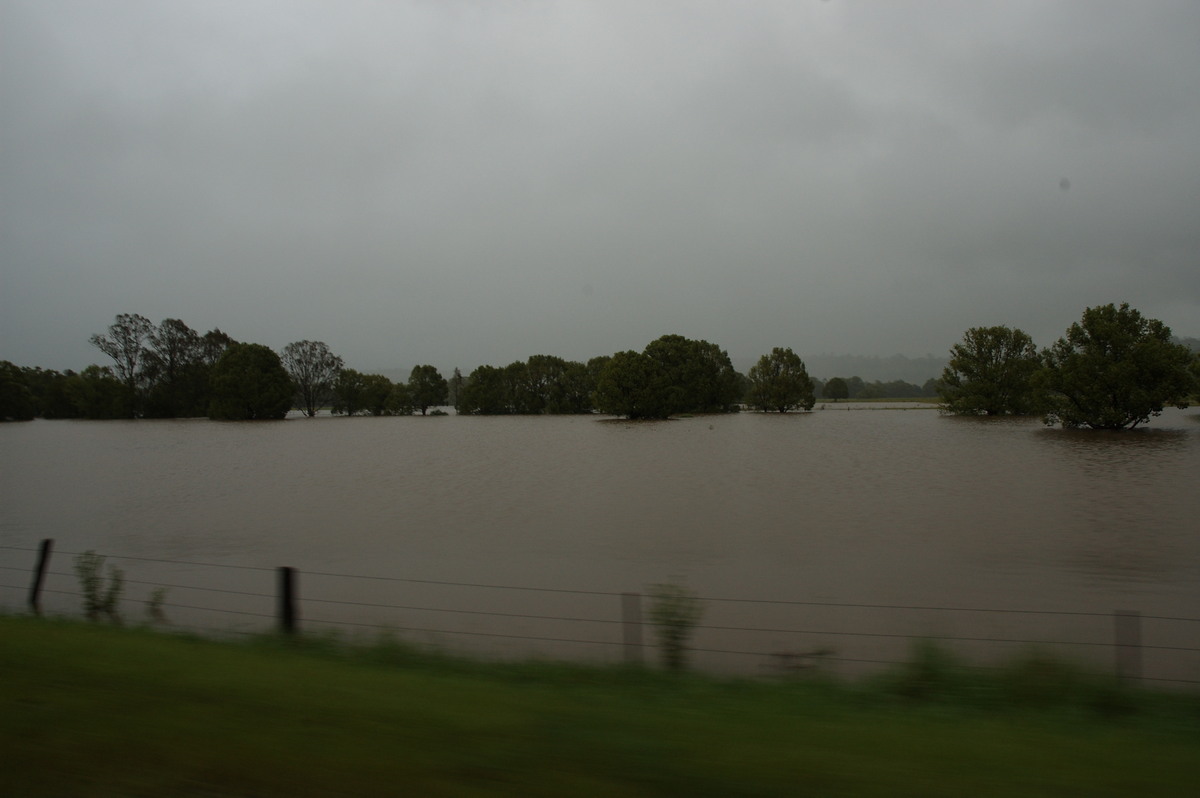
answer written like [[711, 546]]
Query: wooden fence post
[[1127, 640], [287, 599], [39, 576], [631, 624]]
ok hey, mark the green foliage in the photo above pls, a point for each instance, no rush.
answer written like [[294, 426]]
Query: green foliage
[[543, 384], [95, 393], [675, 611], [836, 389], [349, 395], [780, 382], [250, 383], [991, 373], [16, 399], [313, 369], [694, 376], [123, 343], [630, 385], [376, 393], [1115, 369], [399, 401], [673, 375], [427, 388], [100, 596]]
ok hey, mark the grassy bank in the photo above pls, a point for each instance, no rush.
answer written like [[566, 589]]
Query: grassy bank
[[96, 711]]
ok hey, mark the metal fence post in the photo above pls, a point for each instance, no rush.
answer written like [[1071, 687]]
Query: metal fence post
[[631, 624], [287, 600], [39, 576]]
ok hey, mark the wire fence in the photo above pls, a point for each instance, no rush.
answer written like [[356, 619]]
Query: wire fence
[[736, 634]]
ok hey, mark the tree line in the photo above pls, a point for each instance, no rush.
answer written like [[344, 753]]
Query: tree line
[[1112, 370]]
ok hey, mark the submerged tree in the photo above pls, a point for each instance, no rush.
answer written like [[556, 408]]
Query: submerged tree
[[991, 373], [427, 388], [313, 368], [1115, 369], [779, 381], [124, 344], [250, 383]]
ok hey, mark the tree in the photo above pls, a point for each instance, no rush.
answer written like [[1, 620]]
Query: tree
[[427, 388], [779, 381], [348, 393], [991, 373], [836, 389], [123, 343], [631, 385], [399, 403], [16, 399], [693, 375], [95, 393], [313, 368], [213, 345], [376, 392], [168, 366], [1113, 370], [485, 393], [249, 382]]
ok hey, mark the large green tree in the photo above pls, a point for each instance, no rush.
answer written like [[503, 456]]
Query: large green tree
[[673, 375], [779, 381], [314, 369], [631, 384], [427, 388], [349, 393], [991, 373], [694, 375], [249, 382], [1114, 369]]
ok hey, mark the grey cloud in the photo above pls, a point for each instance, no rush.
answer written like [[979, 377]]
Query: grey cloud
[[462, 183]]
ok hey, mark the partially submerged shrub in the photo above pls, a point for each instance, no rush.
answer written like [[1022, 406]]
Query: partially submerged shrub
[[675, 611], [100, 596]]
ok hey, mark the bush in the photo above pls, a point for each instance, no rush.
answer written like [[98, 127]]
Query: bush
[[675, 611], [99, 598]]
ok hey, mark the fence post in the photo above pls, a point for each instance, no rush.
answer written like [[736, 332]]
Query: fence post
[[287, 599], [631, 624], [39, 576], [1127, 640]]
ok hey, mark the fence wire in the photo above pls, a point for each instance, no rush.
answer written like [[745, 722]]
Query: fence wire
[[195, 591]]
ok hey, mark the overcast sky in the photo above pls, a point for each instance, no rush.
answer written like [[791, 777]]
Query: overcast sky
[[461, 183]]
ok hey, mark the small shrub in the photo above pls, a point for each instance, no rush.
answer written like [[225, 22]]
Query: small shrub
[[99, 598], [931, 672], [675, 611], [154, 605]]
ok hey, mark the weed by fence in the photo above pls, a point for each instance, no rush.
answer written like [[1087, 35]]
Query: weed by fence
[[604, 624]]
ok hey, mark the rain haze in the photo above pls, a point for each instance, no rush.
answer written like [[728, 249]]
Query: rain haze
[[467, 183]]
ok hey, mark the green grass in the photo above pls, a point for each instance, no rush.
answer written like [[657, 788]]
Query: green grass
[[90, 710]]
